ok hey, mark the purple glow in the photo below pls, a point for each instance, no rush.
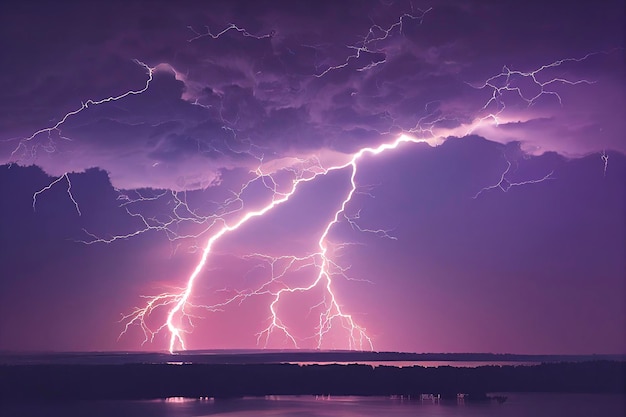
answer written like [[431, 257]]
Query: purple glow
[[133, 135]]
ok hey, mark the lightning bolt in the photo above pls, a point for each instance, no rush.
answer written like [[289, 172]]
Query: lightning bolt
[[332, 312], [51, 146], [605, 159], [232, 214], [228, 28], [506, 80], [369, 43], [505, 185], [49, 186]]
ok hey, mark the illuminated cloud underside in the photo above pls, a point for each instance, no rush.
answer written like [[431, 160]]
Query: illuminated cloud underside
[[229, 116]]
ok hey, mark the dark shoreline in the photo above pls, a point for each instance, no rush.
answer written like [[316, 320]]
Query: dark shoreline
[[51, 382], [265, 356]]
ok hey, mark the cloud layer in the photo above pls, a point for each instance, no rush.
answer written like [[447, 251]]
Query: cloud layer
[[233, 83]]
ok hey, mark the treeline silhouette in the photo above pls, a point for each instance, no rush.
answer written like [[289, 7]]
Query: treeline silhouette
[[149, 381], [283, 356]]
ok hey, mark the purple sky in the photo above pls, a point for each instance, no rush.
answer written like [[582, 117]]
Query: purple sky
[[503, 233]]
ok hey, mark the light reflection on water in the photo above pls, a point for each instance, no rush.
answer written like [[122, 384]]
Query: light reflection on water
[[425, 364], [517, 405]]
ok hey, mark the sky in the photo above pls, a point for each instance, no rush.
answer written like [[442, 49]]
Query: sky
[[444, 176]]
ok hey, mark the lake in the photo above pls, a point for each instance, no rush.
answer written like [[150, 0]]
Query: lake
[[517, 405], [424, 364]]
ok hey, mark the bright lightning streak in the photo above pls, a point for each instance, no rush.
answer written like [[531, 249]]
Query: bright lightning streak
[[175, 331], [504, 81], [505, 185], [49, 186], [178, 303], [507, 80], [375, 34], [84, 106], [332, 312]]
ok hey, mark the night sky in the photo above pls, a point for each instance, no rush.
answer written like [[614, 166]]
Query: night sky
[[496, 226]]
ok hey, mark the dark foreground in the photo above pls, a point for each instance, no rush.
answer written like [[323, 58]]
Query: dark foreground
[[148, 381]]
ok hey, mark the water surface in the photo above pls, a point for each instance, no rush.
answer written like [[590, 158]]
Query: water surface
[[517, 405]]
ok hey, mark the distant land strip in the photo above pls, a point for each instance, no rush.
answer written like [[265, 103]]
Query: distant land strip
[[44, 382], [281, 356]]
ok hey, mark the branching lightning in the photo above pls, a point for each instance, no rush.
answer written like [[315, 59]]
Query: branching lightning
[[375, 35], [233, 214], [51, 147], [69, 191], [331, 311], [505, 81], [505, 185], [228, 28]]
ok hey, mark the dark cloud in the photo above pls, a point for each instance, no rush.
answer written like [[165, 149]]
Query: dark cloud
[[179, 104], [267, 62]]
